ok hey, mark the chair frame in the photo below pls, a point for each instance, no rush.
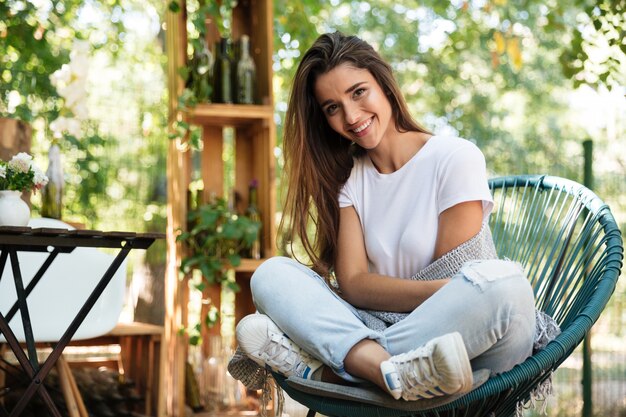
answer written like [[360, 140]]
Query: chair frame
[[582, 267]]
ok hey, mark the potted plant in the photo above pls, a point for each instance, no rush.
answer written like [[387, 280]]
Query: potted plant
[[215, 240], [16, 176]]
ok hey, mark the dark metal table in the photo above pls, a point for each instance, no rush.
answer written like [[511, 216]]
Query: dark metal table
[[54, 242]]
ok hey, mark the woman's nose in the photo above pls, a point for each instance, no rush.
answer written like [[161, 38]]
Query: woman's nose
[[352, 114]]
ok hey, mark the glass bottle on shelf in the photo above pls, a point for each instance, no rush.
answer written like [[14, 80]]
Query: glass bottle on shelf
[[246, 73], [223, 74], [195, 189], [214, 369], [202, 65], [252, 211]]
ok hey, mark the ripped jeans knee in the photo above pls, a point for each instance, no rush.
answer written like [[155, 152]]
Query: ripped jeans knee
[[481, 272]]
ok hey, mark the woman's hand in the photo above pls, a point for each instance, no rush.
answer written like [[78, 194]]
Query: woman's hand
[[367, 290]]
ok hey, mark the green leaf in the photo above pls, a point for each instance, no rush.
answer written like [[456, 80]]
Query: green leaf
[[207, 273], [183, 72], [174, 6], [195, 340], [232, 286], [234, 259], [183, 236], [212, 317]]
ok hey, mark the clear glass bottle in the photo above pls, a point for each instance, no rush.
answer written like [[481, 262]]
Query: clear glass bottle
[[214, 376], [223, 74], [252, 211], [246, 73]]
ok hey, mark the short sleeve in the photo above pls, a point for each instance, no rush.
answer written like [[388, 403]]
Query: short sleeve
[[346, 196], [463, 177]]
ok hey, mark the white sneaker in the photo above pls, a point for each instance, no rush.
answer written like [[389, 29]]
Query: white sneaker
[[440, 367], [264, 343]]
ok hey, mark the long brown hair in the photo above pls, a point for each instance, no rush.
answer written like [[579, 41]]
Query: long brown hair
[[317, 159]]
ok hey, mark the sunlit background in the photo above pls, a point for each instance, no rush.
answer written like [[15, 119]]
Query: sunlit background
[[528, 82]]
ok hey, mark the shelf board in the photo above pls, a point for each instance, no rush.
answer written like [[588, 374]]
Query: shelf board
[[249, 265], [227, 413], [231, 114]]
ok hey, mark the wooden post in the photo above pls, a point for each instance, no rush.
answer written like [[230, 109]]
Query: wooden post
[[174, 346], [15, 137]]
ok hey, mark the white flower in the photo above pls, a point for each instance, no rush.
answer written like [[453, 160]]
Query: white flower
[[81, 46], [73, 127], [61, 76], [40, 179], [58, 126], [63, 125], [71, 83], [21, 162], [74, 94], [21, 174], [80, 111]]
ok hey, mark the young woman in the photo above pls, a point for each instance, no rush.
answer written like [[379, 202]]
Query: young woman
[[374, 198]]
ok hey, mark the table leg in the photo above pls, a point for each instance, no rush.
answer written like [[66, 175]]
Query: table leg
[[3, 375], [67, 336], [35, 377], [21, 299], [3, 260]]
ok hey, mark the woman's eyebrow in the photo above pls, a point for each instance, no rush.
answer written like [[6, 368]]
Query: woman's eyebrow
[[348, 90]]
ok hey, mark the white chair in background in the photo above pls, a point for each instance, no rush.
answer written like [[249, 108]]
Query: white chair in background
[[56, 299], [65, 286]]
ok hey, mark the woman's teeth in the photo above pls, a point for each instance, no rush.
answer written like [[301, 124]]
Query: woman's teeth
[[363, 126]]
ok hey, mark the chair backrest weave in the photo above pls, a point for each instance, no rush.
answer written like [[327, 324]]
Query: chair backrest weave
[[564, 236]]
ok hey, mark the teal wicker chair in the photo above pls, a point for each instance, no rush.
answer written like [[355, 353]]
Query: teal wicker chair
[[571, 248]]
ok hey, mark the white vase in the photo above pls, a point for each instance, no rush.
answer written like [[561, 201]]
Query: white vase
[[13, 210]]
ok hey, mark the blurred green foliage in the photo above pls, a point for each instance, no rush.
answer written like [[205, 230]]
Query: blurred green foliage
[[35, 41], [493, 71]]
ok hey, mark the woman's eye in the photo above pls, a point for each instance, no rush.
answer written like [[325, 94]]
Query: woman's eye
[[331, 109], [359, 92]]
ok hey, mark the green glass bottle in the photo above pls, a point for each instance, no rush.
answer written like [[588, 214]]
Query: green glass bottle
[[246, 73], [201, 74], [223, 73], [252, 211], [52, 193]]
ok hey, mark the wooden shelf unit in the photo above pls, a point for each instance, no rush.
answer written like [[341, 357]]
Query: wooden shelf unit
[[219, 114], [254, 143]]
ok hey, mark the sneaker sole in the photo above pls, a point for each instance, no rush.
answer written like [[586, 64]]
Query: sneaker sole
[[455, 340], [241, 336]]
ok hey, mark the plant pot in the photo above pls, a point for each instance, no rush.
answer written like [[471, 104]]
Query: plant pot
[[13, 210]]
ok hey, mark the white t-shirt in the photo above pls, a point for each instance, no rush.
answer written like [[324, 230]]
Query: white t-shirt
[[399, 211]]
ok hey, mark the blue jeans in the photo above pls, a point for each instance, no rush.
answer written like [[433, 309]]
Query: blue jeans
[[490, 303]]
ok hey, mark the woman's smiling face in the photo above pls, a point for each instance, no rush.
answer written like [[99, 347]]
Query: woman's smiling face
[[355, 105]]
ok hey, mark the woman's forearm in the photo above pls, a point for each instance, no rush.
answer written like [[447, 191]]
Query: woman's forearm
[[381, 292]]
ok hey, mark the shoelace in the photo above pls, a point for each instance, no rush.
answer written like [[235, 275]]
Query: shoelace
[[284, 357], [421, 380]]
